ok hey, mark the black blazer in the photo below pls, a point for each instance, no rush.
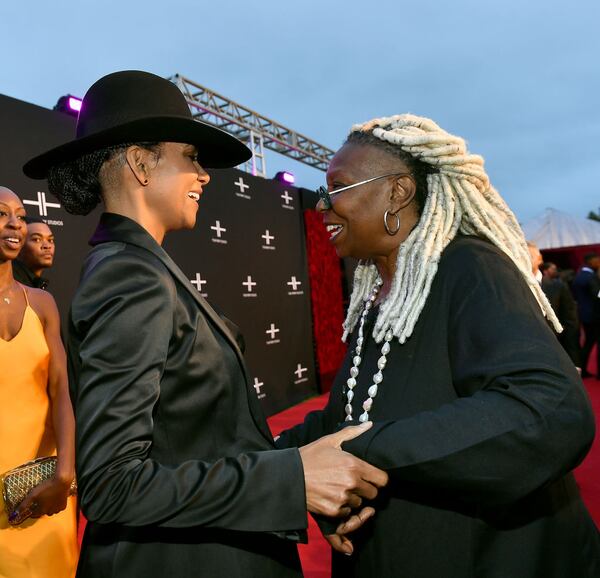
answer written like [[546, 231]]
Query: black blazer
[[177, 471]]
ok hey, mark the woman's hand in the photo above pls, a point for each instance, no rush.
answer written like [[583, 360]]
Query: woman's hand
[[47, 498], [336, 482], [339, 540]]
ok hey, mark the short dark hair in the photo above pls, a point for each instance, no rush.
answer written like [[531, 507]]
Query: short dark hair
[[547, 265], [589, 256]]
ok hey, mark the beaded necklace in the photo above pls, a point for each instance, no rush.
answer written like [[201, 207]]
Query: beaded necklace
[[381, 362]]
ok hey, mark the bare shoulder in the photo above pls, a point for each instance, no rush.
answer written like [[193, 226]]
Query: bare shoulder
[[42, 303]]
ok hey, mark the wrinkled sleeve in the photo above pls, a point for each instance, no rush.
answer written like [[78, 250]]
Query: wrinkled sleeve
[[521, 419], [123, 321]]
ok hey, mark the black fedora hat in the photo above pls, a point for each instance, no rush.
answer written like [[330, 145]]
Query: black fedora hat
[[135, 106]]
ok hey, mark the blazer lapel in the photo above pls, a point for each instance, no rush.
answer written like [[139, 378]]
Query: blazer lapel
[[203, 303], [114, 227], [253, 403]]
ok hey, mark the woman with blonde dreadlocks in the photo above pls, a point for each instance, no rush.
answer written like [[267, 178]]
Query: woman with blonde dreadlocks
[[479, 416]]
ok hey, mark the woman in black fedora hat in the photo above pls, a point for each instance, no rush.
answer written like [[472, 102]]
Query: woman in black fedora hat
[[176, 468]]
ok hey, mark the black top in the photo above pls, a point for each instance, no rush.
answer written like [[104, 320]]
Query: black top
[[25, 276], [479, 420]]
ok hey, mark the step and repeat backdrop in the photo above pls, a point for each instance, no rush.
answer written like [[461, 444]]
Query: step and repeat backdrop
[[246, 255]]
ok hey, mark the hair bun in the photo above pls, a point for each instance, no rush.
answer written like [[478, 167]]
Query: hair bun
[[76, 183]]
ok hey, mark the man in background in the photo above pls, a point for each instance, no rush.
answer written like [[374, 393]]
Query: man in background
[[586, 287], [562, 302], [549, 270], [36, 256]]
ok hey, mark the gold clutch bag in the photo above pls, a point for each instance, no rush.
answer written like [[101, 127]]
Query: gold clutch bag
[[19, 481]]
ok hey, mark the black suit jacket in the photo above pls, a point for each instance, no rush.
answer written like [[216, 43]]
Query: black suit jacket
[[177, 471], [586, 287]]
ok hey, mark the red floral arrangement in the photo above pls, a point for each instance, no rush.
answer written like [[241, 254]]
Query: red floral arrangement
[[325, 275]]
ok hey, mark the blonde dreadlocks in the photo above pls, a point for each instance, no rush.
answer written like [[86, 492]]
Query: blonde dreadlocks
[[459, 198]]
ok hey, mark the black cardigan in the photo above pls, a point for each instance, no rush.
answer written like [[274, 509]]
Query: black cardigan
[[479, 420]]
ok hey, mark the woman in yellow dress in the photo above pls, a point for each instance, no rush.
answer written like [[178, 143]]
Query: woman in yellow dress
[[36, 418]]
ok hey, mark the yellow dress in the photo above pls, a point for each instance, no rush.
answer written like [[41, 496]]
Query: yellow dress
[[45, 547]]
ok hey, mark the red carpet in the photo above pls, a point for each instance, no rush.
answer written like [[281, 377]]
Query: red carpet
[[316, 555], [588, 473]]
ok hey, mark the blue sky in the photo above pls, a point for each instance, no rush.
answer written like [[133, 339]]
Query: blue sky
[[519, 80]]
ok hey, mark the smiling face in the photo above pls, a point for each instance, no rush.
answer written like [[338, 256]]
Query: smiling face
[[355, 220], [174, 187], [38, 251], [13, 229]]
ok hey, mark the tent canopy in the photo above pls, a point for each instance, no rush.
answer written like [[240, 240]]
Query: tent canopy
[[554, 229]]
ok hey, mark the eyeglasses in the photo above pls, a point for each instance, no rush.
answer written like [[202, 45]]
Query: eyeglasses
[[326, 195]]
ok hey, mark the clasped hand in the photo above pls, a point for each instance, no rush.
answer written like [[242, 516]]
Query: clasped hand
[[337, 482]]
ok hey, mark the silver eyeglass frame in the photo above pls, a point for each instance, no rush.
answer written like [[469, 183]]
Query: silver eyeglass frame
[[326, 195]]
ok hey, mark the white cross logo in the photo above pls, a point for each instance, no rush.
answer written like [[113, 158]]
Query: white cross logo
[[198, 282], [286, 197], [294, 283], [242, 186], [267, 237], [249, 283], [218, 229], [300, 370], [41, 204], [272, 331], [257, 385]]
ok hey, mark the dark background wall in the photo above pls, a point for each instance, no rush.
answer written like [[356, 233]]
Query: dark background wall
[[249, 230]]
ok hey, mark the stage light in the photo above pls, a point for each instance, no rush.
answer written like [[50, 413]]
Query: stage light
[[74, 103], [285, 177], [69, 105]]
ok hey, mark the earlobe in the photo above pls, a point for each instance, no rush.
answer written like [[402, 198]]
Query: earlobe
[[136, 165], [142, 169]]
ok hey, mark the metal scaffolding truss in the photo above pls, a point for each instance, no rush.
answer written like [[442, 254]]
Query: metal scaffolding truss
[[257, 130]]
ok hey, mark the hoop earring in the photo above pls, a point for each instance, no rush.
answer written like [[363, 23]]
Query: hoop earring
[[387, 227]]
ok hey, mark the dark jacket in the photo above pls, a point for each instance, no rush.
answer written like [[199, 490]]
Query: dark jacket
[[24, 275], [479, 420], [586, 288], [177, 471], [564, 306]]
